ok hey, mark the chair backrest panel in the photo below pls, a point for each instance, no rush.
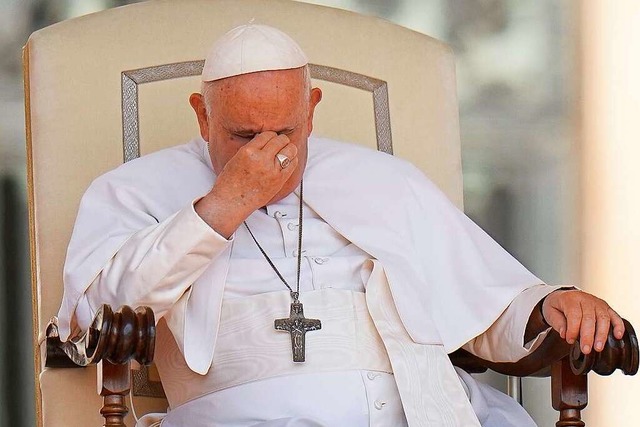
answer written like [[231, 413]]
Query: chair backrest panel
[[74, 74]]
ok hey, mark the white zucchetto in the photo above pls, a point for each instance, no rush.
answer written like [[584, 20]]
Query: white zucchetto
[[251, 48]]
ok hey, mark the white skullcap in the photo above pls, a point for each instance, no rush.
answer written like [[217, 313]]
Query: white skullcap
[[251, 48]]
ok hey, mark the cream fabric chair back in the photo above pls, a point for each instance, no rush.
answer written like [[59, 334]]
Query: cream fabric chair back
[[106, 87]]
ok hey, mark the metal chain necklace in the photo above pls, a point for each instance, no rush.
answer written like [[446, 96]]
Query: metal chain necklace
[[296, 324]]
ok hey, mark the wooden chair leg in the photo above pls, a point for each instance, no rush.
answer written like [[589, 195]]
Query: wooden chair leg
[[568, 393], [114, 382]]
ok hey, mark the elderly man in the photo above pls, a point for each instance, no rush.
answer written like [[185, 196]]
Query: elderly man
[[301, 281]]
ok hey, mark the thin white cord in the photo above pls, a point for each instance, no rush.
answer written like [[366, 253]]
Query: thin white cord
[[133, 409]]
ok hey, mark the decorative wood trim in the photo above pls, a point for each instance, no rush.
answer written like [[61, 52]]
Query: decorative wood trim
[[114, 383], [568, 393], [617, 354], [112, 340], [116, 337]]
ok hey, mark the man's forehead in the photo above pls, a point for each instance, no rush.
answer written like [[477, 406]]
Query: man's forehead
[[252, 48], [256, 118], [253, 103], [280, 92], [252, 118]]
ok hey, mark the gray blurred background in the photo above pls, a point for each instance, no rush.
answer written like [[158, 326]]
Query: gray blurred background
[[516, 62]]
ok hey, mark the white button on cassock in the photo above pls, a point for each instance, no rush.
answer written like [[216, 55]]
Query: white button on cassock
[[378, 404], [292, 226]]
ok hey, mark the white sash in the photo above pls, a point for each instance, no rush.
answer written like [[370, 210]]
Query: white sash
[[430, 389], [248, 347]]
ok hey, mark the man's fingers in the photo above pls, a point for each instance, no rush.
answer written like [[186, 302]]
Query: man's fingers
[[574, 317], [290, 151], [587, 327], [557, 321], [275, 145], [602, 328], [288, 171], [264, 148], [260, 140], [616, 323]]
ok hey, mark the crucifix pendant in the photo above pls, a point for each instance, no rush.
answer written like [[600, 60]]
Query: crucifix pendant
[[297, 326]]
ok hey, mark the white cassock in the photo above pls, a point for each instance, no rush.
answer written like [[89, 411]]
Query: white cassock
[[434, 281]]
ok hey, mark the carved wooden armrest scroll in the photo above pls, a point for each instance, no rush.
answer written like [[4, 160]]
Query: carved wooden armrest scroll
[[111, 342], [617, 354]]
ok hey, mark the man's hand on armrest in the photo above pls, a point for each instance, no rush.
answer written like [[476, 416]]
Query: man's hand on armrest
[[575, 314]]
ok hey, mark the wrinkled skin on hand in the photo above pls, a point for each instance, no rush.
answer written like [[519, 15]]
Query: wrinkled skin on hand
[[253, 176], [578, 315]]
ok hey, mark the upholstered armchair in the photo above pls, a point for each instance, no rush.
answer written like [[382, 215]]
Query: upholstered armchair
[[108, 87]]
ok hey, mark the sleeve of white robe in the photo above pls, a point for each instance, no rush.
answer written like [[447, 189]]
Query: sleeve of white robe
[[504, 340], [155, 266]]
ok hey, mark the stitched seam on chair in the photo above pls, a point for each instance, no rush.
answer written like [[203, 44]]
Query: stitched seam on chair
[[130, 105], [378, 89]]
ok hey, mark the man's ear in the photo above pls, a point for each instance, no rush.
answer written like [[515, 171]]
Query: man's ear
[[314, 98], [197, 103]]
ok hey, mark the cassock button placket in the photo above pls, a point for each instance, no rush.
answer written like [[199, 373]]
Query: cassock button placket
[[320, 260], [292, 226], [279, 215]]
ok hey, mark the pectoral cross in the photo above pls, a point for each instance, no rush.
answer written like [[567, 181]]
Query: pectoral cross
[[297, 326]]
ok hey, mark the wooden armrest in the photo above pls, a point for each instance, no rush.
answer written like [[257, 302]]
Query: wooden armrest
[[537, 363], [567, 367], [117, 337], [617, 354], [112, 340]]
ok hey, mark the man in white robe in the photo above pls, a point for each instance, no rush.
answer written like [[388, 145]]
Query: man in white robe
[[385, 253]]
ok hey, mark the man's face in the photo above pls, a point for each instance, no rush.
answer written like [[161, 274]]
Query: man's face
[[246, 105]]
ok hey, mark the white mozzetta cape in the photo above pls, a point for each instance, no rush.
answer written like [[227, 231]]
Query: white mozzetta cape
[[449, 280]]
